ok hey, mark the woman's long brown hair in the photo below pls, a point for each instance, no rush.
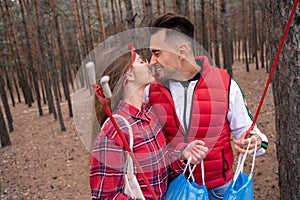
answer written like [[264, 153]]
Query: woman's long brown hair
[[116, 71]]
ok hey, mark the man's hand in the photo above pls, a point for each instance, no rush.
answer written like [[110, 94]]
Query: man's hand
[[197, 150], [241, 145]]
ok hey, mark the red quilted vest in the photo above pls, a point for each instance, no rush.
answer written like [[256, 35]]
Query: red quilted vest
[[208, 122]]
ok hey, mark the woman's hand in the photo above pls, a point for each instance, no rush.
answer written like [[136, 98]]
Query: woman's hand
[[196, 149]]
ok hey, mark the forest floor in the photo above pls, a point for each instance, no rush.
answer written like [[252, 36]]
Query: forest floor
[[45, 163]]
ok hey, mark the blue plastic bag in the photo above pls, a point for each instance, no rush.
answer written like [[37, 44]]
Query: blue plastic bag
[[182, 189], [241, 187]]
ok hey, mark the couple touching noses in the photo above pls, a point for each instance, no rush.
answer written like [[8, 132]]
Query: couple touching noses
[[137, 78], [188, 101], [129, 76]]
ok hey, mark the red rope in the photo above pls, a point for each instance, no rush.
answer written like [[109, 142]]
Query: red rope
[[273, 68], [99, 94]]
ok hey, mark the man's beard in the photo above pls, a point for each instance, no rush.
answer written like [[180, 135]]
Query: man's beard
[[161, 72]]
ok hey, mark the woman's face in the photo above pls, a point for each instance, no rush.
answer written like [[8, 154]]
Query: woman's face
[[141, 71]]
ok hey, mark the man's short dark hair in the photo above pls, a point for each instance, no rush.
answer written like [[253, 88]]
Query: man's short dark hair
[[173, 21]]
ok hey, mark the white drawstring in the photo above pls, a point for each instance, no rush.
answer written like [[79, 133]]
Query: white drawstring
[[241, 161], [191, 170]]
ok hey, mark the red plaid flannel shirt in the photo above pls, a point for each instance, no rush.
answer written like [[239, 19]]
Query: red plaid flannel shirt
[[108, 156]]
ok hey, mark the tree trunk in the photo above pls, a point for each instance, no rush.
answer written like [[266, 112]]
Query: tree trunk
[[231, 31], [78, 30], [16, 88], [239, 48], [239, 38], [186, 8], [179, 7], [263, 38], [192, 11], [4, 136], [21, 74], [216, 35], [30, 58], [118, 14], [250, 31], [9, 86], [244, 33], [158, 6], [60, 50], [286, 89], [164, 6], [37, 58], [121, 25], [43, 65], [8, 57], [100, 20], [254, 31], [210, 33], [67, 56], [6, 105], [91, 32], [268, 54], [174, 6], [113, 13], [85, 35], [130, 18], [203, 26], [226, 47], [43, 91], [52, 55], [147, 11]]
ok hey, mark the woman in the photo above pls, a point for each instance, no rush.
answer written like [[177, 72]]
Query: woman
[[129, 77]]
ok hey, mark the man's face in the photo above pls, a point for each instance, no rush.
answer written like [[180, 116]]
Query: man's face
[[164, 60]]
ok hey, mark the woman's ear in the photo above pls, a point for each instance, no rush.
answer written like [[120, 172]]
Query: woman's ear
[[129, 75]]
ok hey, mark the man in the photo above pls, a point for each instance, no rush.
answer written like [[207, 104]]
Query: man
[[197, 101]]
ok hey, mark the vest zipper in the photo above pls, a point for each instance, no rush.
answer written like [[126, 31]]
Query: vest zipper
[[187, 127], [185, 87], [184, 110]]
